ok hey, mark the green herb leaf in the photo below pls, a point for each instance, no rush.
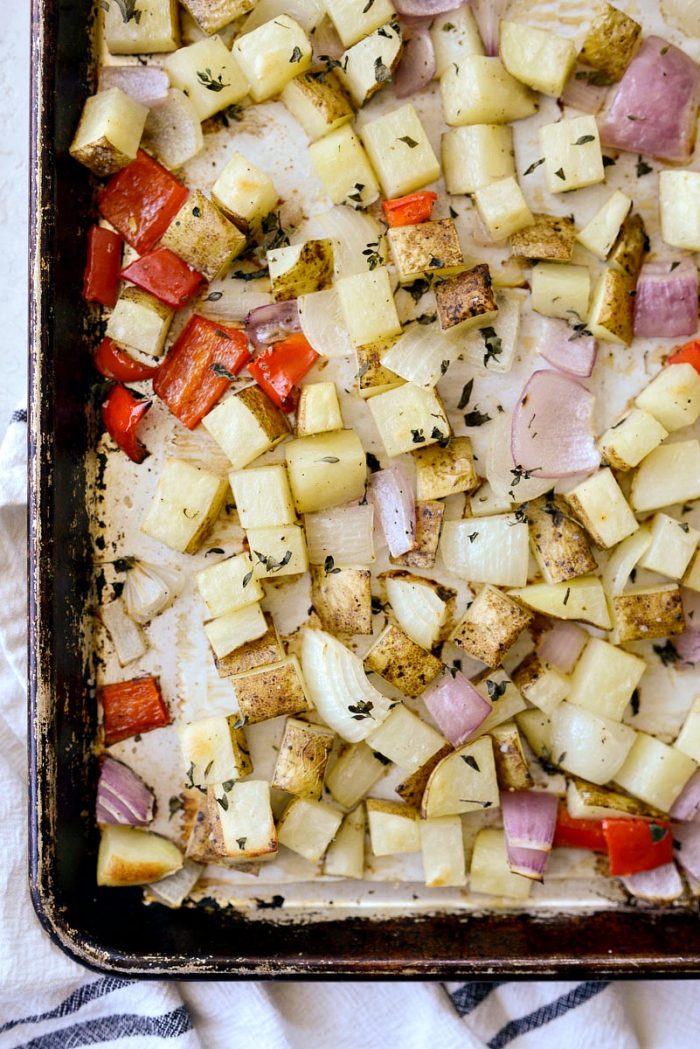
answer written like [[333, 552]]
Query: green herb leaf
[[584, 139], [476, 418], [533, 167], [373, 463], [328, 459], [471, 762], [296, 55], [667, 653], [466, 394], [208, 769], [492, 343], [657, 832], [417, 436], [128, 10], [472, 536], [361, 710], [329, 566], [240, 842], [210, 82], [435, 263], [608, 162], [214, 296], [222, 371], [223, 801], [410, 142], [496, 689], [247, 578], [381, 73], [175, 804], [643, 168], [560, 174]]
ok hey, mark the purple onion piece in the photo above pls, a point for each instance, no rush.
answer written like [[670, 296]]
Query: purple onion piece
[[267, 324], [122, 796]]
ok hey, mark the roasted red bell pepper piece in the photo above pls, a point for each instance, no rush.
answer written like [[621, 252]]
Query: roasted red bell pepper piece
[[121, 413], [131, 707], [280, 368], [688, 354], [637, 844], [104, 260], [141, 201], [573, 833], [165, 275], [405, 211], [199, 368], [115, 363]]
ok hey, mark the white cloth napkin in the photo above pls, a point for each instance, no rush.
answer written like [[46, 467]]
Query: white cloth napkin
[[47, 1001]]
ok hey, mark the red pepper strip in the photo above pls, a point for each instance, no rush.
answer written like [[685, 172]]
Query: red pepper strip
[[165, 275], [121, 414], [199, 368], [104, 259], [405, 211], [573, 833], [115, 363], [688, 354], [280, 368], [141, 201], [637, 844], [131, 707]]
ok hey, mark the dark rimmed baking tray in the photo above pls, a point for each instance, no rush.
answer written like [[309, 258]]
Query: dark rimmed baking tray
[[112, 930]]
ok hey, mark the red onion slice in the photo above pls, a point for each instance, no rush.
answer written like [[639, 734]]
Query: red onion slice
[[488, 15], [423, 8], [417, 66], [395, 504], [531, 863], [552, 433], [687, 646], [661, 884], [146, 84], [686, 850], [666, 303], [267, 324], [686, 805], [455, 705], [583, 93], [565, 348], [562, 645], [122, 796], [529, 818]]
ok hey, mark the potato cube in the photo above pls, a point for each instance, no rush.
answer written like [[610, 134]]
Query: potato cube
[[271, 691], [487, 549], [480, 90], [549, 237], [490, 871], [400, 152], [673, 397], [278, 551], [187, 500], [214, 750], [373, 376], [491, 626], [559, 543], [589, 801], [503, 208], [401, 662], [300, 269], [672, 546], [342, 598], [345, 534], [367, 66], [688, 741], [572, 154], [455, 37], [406, 740], [537, 729], [318, 410], [229, 585], [233, 629], [246, 425], [611, 316], [140, 322], [368, 307], [424, 248], [353, 20], [155, 31], [580, 599], [445, 471], [318, 102], [485, 502], [412, 789], [628, 441], [208, 74], [173, 132], [393, 827], [630, 247], [588, 744], [308, 827], [429, 515], [213, 15], [561, 290], [131, 856], [537, 57], [442, 847], [601, 507], [611, 42], [242, 819], [477, 155], [692, 576], [354, 773], [679, 202], [655, 772], [262, 496], [326, 469], [203, 237], [260, 652], [669, 474], [599, 235], [272, 55], [540, 683], [244, 193], [407, 416], [345, 856], [604, 679], [641, 614], [343, 167], [466, 301], [512, 769], [109, 132], [302, 758], [464, 781]]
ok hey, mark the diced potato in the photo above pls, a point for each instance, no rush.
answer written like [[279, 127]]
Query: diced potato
[[642, 614], [140, 322], [272, 55], [400, 152], [611, 42], [487, 549], [445, 471], [318, 102], [302, 758], [261, 652], [242, 819], [688, 741], [229, 585], [669, 474], [630, 248], [692, 576], [423, 608], [401, 662], [599, 235], [368, 64], [537, 57], [503, 208], [407, 416], [673, 544], [278, 551], [442, 846], [412, 789], [342, 598], [481, 91], [109, 132], [506, 701], [604, 679], [429, 516], [246, 425], [368, 307], [373, 376], [580, 599], [490, 871], [353, 19], [393, 827], [417, 250], [673, 397], [655, 772], [485, 502], [214, 750], [301, 269], [213, 15], [630, 440], [354, 773], [512, 770], [203, 237], [173, 132], [131, 856], [406, 740], [464, 781], [262, 496], [244, 193], [589, 745], [559, 544], [541, 683], [271, 691], [326, 470], [345, 534], [155, 31], [343, 167], [572, 154], [679, 201], [537, 729], [345, 856], [208, 74], [601, 507], [455, 36], [233, 629], [476, 155], [561, 290], [308, 827], [186, 502], [611, 316], [549, 237], [491, 626], [588, 801], [318, 410], [466, 301]]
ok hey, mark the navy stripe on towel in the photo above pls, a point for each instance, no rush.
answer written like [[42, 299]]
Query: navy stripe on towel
[[466, 998], [546, 1013], [88, 992], [109, 1028], [20, 416]]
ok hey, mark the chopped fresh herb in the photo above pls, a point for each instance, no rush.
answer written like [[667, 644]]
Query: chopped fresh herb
[[453, 214], [361, 710], [274, 235], [560, 174], [673, 266], [584, 139], [222, 371], [357, 194], [667, 653], [417, 289], [240, 842], [471, 762], [567, 595], [175, 804], [634, 702], [296, 55], [664, 50], [519, 516], [381, 758], [274, 904], [579, 331], [631, 116], [190, 516], [367, 6], [377, 606], [329, 459], [447, 27], [373, 463], [476, 418], [228, 784], [496, 689], [381, 73], [269, 562], [329, 566], [643, 168], [189, 778], [684, 526], [247, 578], [435, 263], [436, 435], [209, 82], [223, 801], [472, 537], [371, 253], [410, 142], [465, 395], [128, 10], [658, 833], [208, 769], [492, 343], [561, 757], [608, 162], [417, 436], [519, 474], [533, 167], [197, 212], [428, 318], [233, 112], [214, 296], [686, 508]]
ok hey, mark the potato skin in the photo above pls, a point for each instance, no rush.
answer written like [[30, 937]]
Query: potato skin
[[342, 598], [445, 471], [312, 271], [213, 15], [491, 626], [412, 789], [203, 237], [651, 613], [261, 652], [302, 759], [400, 661], [271, 420], [271, 691], [322, 90], [559, 543], [373, 376], [465, 297], [614, 306], [416, 249], [429, 515], [512, 769], [611, 42], [631, 246], [549, 237]]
